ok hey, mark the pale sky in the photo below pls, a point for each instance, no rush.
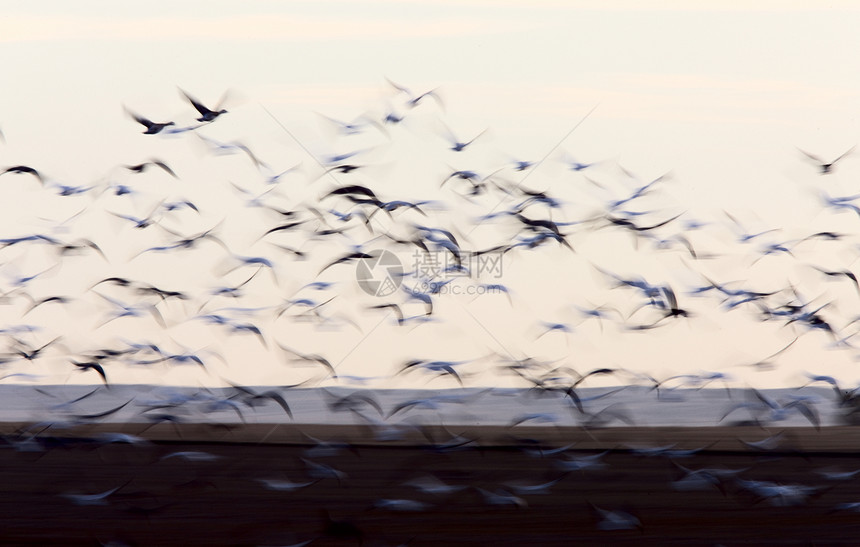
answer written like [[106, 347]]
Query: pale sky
[[720, 94]]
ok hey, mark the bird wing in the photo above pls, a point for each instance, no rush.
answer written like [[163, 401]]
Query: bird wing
[[194, 102], [812, 156]]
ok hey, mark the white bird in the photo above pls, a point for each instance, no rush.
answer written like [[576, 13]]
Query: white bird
[[91, 499], [616, 520], [109, 438], [323, 449], [519, 487], [780, 495], [432, 485], [774, 411], [192, 456], [833, 475], [853, 506], [500, 497], [540, 452], [284, 485], [323, 471], [704, 479], [400, 505], [580, 463]]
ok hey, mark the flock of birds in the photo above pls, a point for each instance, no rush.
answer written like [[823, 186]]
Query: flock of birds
[[155, 270], [483, 220], [533, 475], [216, 272]]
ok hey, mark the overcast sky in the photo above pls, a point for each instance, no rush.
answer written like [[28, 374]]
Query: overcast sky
[[712, 93]]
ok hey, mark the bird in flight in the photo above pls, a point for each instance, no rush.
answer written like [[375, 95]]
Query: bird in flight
[[826, 167], [456, 144], [25, 170], [413, 98], [152, 128], [141, 167], [206, 114]]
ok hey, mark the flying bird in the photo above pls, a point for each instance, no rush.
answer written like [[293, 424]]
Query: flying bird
[[414, 99], [92, 365], [24, 170], [142, 167], [206, 114], [456, 144], [152, 128], [826, 167]]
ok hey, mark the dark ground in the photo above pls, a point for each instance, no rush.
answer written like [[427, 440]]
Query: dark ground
[[222, 501]]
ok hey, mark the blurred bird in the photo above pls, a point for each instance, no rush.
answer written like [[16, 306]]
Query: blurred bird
[[824, 166], [206, 115], [152, 128]]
